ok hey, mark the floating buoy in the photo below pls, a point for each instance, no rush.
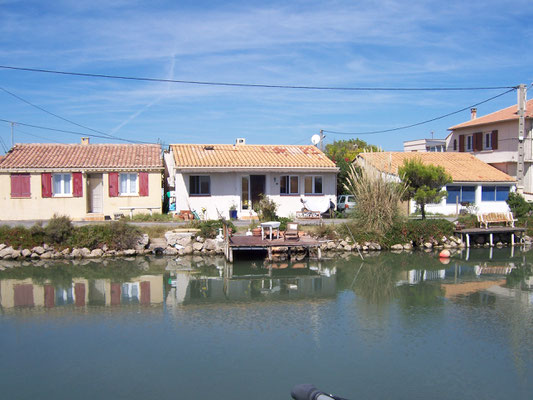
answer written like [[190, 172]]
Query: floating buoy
[[444, 254]]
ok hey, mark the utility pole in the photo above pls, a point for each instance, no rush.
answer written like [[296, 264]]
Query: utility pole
[[322, 140], [12, 134], [521, 131]]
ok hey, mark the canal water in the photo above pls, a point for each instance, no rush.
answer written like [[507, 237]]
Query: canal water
[[396, 326]]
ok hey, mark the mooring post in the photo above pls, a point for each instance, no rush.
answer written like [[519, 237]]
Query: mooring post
[[467, 240], [270, 254], [491, 241], [512, 238], [319, 253], [230, 255]]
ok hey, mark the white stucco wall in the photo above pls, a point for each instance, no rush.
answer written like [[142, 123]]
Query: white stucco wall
[[226, 191]]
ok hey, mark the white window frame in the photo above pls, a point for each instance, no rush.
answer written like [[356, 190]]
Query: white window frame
[[313, 184], [487, 136], [208, 177], [469, 145], [130, 191], [63, 191], [288, 185]]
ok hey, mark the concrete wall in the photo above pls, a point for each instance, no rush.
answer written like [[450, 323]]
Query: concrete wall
[[38, 208], [226, 191]]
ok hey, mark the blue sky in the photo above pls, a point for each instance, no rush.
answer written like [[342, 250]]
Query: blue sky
[[305, 43]]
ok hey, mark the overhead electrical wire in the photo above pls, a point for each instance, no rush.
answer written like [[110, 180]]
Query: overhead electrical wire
[[108, 135], [251, 85], [418, 123], [72, 132]]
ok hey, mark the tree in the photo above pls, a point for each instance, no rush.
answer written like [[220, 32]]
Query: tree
[[342, 153], [424, 182]]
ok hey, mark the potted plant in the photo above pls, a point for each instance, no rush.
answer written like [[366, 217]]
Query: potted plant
[[233, 211]]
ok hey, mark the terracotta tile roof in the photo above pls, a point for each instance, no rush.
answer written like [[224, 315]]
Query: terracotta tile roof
[[463, 167], [90, 156], [249, 156], [506, 114]]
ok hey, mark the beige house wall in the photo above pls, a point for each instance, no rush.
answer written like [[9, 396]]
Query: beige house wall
[[38, 208]]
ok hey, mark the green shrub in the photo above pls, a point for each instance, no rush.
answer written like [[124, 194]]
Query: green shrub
[[518, 205], [325, 231], [283, 222], [156, 217], [116, 236], [59, 229], [22, 237], [468, 221], [266, 209], [209, 229]]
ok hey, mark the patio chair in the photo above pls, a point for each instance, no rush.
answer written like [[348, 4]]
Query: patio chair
[[291, 233]]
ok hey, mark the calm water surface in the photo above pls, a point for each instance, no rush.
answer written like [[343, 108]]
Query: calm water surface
[[396, 326]]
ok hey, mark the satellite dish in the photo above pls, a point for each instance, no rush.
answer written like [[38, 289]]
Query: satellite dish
[[315, 139]]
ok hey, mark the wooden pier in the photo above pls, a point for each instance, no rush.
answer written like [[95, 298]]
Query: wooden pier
[[467, 233], [254, 243]]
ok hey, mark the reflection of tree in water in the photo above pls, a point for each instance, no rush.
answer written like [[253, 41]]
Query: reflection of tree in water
[[375, 282], [426, 294]]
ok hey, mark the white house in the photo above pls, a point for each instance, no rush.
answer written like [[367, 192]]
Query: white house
[[493, 138], [425, 145], [217, 177], [474, 181]]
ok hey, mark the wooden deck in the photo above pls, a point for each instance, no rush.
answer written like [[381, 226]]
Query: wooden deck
[[468, 232], [255, 243]]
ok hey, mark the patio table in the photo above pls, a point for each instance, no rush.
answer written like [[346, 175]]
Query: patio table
[[271, 225]]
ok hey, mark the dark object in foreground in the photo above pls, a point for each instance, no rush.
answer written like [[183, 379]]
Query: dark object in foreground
[[306, 391]]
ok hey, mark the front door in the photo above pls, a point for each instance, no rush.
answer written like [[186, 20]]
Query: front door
[[95, 193], [257, 188]]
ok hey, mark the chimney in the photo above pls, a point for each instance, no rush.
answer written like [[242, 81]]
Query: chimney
[[240, 141], [473, 113], [85, 141]]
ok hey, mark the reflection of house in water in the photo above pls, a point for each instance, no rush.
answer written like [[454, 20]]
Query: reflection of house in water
[[277, 281], [146, 289]]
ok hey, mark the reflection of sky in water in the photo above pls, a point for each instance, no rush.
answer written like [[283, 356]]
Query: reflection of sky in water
[[384, 329]]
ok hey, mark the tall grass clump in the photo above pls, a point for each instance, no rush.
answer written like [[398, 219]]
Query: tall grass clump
[[376, 199]]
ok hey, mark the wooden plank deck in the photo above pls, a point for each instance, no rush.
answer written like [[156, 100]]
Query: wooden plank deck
[[491, 231]]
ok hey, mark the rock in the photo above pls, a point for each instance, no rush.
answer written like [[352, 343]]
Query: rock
[[3, 246], [365, 248], [35, 255], [76, 253], [428, 245], [197, 246], [46, 247], [331, 245], [397, 247], [377, 246], [130, 252], [96, 253], [85, 252], [65, 251], [344, 243], [443, 239], [38, 249], [187, 250], [348, 248], [6, 251], [210, 244], [46, 255], [408, 246], [143, 242], [445, 254], [26, 253], [170, 251], [15, 254], [200, 239]]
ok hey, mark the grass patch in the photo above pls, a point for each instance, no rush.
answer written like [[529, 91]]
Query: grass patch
[[156, 217]]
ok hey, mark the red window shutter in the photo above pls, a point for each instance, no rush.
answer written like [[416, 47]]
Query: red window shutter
[[143, 183], [113, 184], [494, 140], [46, 184], [478, 141], [461, 142], [77, 184], [20, 185]]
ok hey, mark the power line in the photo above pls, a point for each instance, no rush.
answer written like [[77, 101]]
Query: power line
[[72, 132], [253, 85], [62, 118], [422, 122]]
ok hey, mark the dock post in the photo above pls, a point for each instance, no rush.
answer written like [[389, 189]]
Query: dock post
[[289, 253], [319, 253], [512, 239], [467, 240], [491, 237], [270, 254], [230, 255]]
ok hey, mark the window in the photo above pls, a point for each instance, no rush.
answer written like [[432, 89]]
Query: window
[[245, 193], [289, 185], [465, 194], [494, 193], [128, 184], [62, 184], [313, 185], [199, 185], [20, 185], [469, 143], [488, 141]]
